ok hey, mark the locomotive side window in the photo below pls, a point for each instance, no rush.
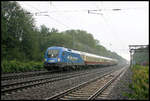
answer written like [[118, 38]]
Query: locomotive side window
[[63, 54]]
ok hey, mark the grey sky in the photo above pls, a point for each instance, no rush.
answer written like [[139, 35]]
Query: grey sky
[[114, 29]]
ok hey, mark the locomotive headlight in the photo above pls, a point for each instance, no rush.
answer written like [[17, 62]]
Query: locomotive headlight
[[58, 59]]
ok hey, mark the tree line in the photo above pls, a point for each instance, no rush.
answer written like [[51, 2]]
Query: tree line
[[23, 41]]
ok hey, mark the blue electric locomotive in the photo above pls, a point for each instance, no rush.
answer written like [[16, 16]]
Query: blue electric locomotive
[[62, 58]]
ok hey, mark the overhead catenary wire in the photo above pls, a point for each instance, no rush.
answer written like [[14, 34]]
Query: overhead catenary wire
[[68, 27], [67, 18], [39, 12], [53, 18], [58, 21], [85, 10], [97, 7], [112, 30], [65, 11], [49, 16], [105, 20]]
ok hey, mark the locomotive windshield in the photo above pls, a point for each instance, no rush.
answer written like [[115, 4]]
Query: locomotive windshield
[[52, 53]]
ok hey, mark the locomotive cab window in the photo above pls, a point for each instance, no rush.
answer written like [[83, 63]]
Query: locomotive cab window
[[52, 53]]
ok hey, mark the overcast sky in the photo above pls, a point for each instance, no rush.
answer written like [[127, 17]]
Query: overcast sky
[[115, 30]]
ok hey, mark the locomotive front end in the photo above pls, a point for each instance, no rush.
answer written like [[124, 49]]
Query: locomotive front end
[[52, 58]]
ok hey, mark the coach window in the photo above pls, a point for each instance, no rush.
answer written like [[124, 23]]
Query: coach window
[[87, 57], [84, 57], [100, 60]]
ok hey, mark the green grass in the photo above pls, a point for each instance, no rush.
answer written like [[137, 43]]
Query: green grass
[[16, 66], [140, 83]]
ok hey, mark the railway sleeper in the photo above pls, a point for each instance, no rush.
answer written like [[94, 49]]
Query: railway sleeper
[[75, 98], [78, 95]]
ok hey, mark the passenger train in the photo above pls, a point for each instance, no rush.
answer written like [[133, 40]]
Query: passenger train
[[64, 58]]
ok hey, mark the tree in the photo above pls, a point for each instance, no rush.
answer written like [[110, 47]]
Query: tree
[[17, 29]]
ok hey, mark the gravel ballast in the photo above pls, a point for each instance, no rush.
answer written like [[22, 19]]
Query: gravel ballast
[[121, 87], [52, 88]]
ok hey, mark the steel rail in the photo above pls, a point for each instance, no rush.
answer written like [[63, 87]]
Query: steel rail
[[5, 90], [92, 97], [19, 76], [73, 89]]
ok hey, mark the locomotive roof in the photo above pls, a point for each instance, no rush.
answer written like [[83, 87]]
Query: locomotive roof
[[80, 52]]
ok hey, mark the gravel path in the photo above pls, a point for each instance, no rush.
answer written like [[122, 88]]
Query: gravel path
[[121, 87]]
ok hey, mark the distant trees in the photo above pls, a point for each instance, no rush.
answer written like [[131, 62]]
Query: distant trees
[[22, 41]]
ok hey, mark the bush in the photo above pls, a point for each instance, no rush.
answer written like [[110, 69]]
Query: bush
[[140, 83], [16, 66]]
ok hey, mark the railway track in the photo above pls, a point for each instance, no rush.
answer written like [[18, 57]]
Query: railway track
[[15, 76], [17, 86], [88, 90], [26, 75]]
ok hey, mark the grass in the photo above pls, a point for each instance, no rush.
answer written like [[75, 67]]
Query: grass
[[16, 66], [140, 83]]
